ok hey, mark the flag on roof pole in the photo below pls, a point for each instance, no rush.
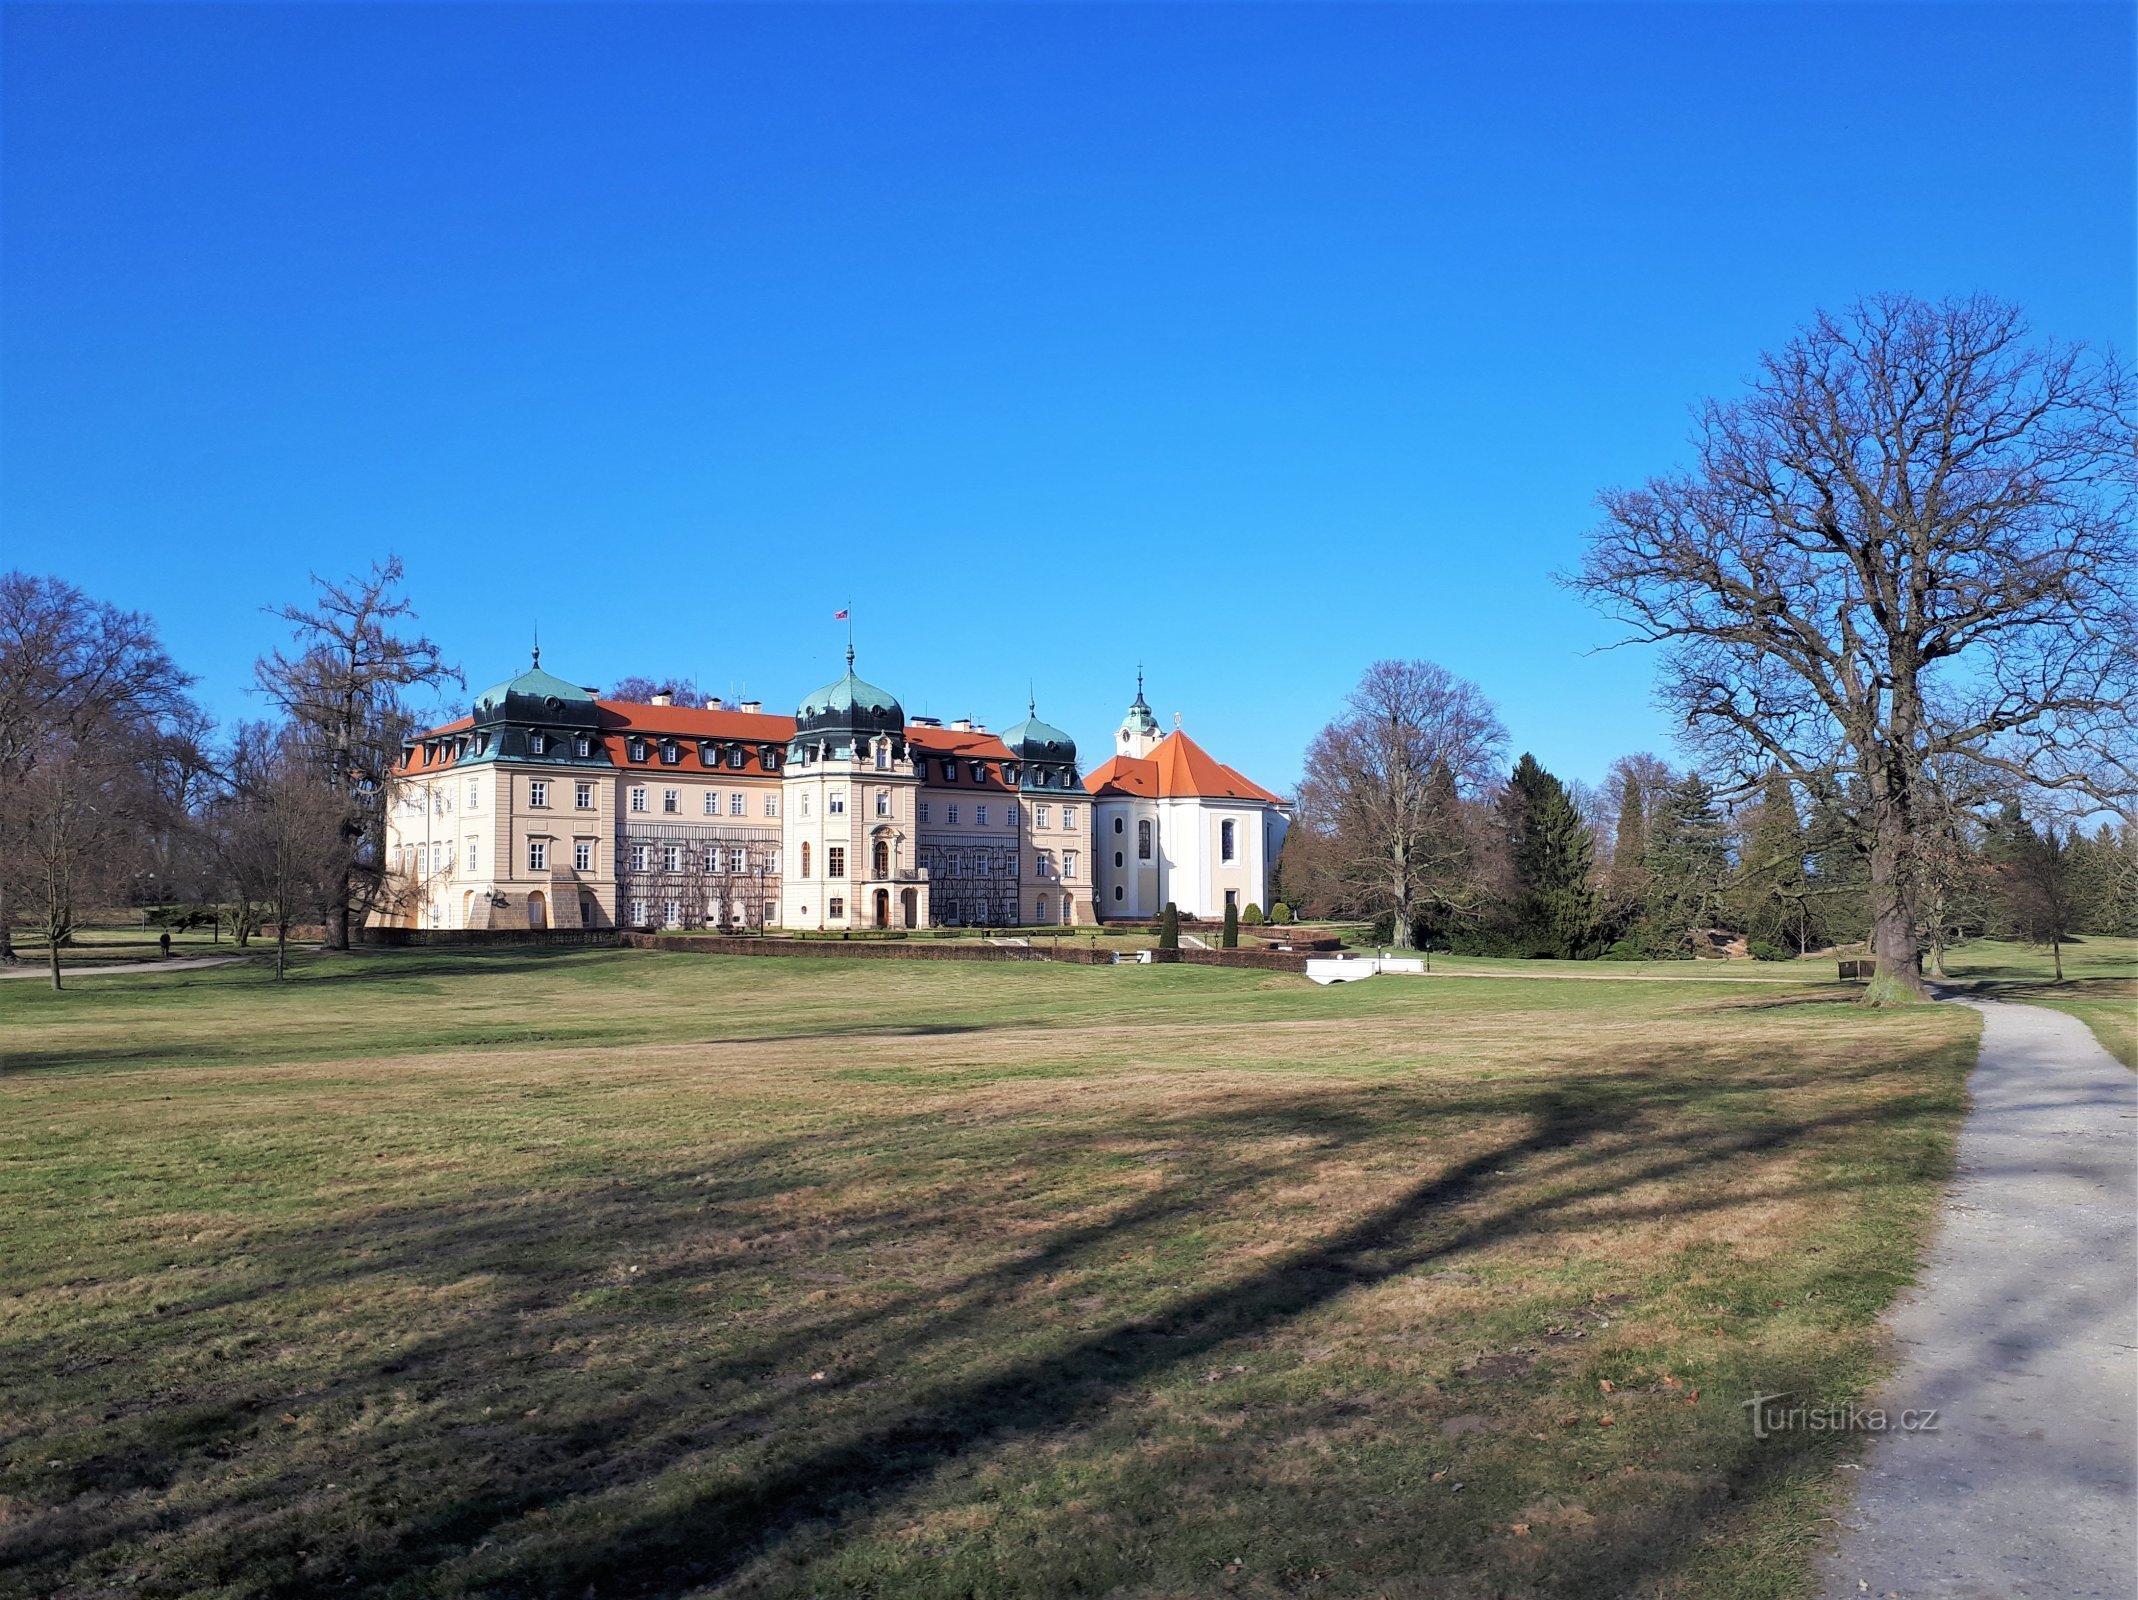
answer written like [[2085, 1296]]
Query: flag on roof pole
[[838, 616]]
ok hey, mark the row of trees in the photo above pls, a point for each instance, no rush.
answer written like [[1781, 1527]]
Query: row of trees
[[1894, 595], [1657, 863], [115, 788]]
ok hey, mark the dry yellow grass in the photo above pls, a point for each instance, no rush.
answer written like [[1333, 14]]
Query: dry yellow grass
[[660, 1274]]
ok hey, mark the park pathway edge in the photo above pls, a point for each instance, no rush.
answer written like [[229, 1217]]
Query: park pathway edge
[[2022, 1332]]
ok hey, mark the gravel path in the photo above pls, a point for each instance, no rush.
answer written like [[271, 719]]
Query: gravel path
[[2023, 1333], [32, 969]]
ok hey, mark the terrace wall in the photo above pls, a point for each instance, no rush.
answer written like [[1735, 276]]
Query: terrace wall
[[1067, 952]]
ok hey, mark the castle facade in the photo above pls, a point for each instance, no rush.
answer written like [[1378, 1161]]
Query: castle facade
[[550, 807]]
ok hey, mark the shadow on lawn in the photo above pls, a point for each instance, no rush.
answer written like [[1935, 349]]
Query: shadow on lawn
[[660, 1517]]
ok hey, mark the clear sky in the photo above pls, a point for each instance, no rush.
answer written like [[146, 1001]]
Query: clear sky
[[1252, 343]]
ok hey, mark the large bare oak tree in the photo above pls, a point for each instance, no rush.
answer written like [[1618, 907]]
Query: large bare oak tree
[[86, 691], [342, 686], [1907, 550], [1381, 790]]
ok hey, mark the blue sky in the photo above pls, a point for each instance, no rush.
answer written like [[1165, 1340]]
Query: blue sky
[[1252, 343]]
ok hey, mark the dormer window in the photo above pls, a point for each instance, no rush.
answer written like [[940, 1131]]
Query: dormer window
[[950, 770], [670, 754], [769, 759], [979, 772], [736, 757], [538, 743], [582, 747], [883, 755], [636, 749]]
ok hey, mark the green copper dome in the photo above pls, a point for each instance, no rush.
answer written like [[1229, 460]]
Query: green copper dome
[[535, 686], [851, 705], [1139, 718], [1034, 740]]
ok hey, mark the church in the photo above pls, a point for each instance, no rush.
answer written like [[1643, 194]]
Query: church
[[551, 807]]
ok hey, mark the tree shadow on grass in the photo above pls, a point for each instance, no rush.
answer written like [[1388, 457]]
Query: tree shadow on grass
[[656, 1479]]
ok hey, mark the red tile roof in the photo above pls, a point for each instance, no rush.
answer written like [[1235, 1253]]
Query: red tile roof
[[1177, 768], [694, 722]]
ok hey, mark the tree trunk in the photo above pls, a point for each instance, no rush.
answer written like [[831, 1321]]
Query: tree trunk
[[7, 931], [1899, 979], [338, 912], [2056, 950], [52, 948], [282, 948]]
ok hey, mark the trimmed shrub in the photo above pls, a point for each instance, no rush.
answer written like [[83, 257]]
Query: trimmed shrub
[[1766, 950], [1230, 938], [1169, 927], [1281, 914], [1251, 917]]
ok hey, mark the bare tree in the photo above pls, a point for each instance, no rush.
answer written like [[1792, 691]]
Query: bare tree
[[72, 668], [1909, 542], [342, 687], [1398, 840], [73, 830], [639, 690], [281, 832]]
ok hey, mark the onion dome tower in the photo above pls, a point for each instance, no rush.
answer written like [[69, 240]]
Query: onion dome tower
[[844, 716], [1046, 756], [537, 715]]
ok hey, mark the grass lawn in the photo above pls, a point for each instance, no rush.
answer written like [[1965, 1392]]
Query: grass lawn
[[612, 1272], [114, 944], [2100, 984]]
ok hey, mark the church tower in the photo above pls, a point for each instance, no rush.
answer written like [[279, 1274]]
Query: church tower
[[1138, 734]]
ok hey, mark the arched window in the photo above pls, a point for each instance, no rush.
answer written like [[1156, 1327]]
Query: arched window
[[1041, 903], [1117, 824], [1143, 839], [883, 859], [1225, 842], [805, 858]]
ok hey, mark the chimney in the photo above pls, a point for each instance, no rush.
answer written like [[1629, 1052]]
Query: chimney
[[753, 706], [963, 725], [979, 727], [713, 704], [661, 697], [926, 722]]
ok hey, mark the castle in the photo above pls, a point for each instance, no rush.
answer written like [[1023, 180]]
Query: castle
[[549, 807]]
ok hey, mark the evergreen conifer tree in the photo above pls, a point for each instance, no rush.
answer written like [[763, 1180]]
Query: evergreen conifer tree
[[1629, 850], [1688, 867], [1551, 851], [1230, 938], [1169, 927], [1771, 886]]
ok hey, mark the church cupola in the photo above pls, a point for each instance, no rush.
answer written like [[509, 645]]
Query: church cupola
[[1138, 733]]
